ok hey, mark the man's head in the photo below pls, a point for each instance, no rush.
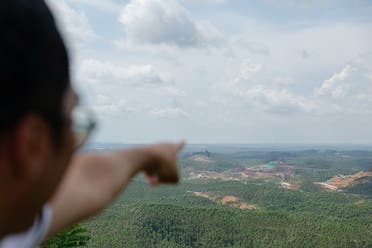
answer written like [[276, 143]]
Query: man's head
[[35, 104]]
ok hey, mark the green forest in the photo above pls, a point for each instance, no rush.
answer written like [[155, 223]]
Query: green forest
[[193, 214]]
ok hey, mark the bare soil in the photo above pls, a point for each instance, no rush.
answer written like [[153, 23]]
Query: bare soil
[[229, 200], [346, 181], [203, 159]]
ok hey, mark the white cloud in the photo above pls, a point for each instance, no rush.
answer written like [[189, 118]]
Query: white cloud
[[168, 112], [165, 22], [205, 1], [336, 86], [73, 23], [276, 101], [350, 89], [268, 95], [264, 79], [108, 108], [259, 89], [107, 5], [248, 69], [298, 3], [134, 75], [117, 89]]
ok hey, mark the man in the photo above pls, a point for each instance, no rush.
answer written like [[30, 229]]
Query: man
[[44, 187]]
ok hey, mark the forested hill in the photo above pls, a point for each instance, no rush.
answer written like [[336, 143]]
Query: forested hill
[[163, 225], [312, 198], [175, 217]]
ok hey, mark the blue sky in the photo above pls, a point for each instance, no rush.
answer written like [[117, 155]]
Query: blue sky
[[223, 71]]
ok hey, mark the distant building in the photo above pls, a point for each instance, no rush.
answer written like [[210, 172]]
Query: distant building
[[272, 164]]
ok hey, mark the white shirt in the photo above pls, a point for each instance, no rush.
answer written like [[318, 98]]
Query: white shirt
[[33, 236]]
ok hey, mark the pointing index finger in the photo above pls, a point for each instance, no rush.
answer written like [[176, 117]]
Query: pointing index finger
[[180, 146]]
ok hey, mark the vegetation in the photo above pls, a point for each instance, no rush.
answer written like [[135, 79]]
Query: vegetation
[[76, 236], [192, 214], [166, 217], [362, 187], [159, 225]]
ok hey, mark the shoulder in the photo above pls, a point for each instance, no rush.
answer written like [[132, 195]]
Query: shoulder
[[33, 236]]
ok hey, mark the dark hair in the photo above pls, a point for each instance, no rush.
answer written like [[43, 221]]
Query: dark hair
[[34, 68]]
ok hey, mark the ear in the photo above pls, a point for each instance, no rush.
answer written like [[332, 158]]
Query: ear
[[30, 148]]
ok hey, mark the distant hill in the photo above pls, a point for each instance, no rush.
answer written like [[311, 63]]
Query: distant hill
[[361, 186], [341, 181], [246, 199]]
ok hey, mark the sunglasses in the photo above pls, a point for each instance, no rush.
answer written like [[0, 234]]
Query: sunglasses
[[82, 124]]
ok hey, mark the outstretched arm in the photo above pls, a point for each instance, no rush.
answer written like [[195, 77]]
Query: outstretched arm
[[95, 179]]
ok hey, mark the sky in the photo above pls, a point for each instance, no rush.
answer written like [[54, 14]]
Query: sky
[[223, 71]]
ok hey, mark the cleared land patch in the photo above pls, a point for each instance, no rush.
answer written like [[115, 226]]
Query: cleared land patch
[[229, 200], [201, 158], [338, 182], [341, 181]]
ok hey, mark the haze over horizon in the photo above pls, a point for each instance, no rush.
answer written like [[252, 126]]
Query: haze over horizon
[[223, 71]]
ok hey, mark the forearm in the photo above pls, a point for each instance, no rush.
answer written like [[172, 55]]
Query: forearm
[[92, 182], [109, 173]]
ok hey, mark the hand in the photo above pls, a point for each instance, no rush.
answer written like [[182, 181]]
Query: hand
[[162, 165]]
